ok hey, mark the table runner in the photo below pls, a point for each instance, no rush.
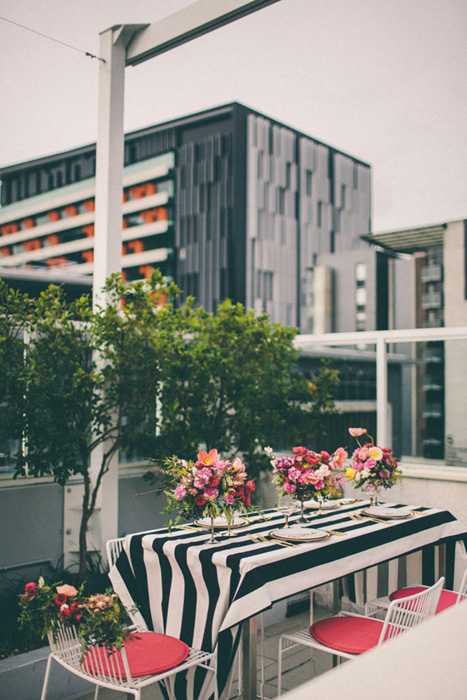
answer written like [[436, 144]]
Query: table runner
[[200, 592]]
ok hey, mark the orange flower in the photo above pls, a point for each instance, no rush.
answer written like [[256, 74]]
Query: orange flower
[[208, 458]]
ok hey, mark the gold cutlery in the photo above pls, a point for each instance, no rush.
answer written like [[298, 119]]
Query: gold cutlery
[[336, 532]]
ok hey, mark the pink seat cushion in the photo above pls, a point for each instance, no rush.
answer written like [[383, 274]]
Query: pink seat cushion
[[448, 598], [353, 635], [148, 654]]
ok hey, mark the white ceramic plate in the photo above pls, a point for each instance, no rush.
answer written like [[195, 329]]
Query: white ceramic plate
[[386, 512], [221, 522], [298, 534]]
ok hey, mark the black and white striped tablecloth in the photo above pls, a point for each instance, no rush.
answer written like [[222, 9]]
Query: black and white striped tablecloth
[[200, 592]]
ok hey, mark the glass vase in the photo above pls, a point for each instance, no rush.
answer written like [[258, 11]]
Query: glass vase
[[372, 493]]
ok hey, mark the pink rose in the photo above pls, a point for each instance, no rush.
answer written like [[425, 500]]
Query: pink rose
[[289, 488], [30, 589], [211, 493], [340, 455], [363, 453], [180, 492], [67, 590], [229, 499], [370, 463]]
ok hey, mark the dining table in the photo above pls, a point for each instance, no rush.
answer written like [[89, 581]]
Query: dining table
[[210, 594]]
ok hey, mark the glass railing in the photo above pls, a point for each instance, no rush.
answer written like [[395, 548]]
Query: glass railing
[[420, 401]]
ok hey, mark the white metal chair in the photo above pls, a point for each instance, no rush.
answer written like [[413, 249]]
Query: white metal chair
[[447, 598], [146, 659], [347, 635]]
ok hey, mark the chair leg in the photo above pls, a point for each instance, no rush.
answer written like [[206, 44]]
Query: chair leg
[[279, 668], [46, 678]]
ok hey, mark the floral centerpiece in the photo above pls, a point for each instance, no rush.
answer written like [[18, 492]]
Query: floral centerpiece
[[98, 619], [208, 487], [372, 467], [307, 474]]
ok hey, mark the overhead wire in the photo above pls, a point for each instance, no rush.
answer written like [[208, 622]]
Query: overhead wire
[[57, 41]]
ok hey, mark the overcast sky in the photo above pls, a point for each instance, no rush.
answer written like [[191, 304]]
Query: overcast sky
[[383, 80]]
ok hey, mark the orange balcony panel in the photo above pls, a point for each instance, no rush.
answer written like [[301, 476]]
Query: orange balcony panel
[[35, 244], [88, 230], [124, 223], [124, 250], [71, 210], [53, 215], [145, 270], [136, 246], [137, 192], [5, 251], [149, 215], [162, 213], [150, 188], [56, 262], [125, 196], [88, 255], [89, 204], [9, 228], [28, 223], [124, 275], [52, 240]]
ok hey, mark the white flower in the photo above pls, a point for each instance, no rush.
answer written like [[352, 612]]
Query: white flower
[[364, 473], [269, 451]]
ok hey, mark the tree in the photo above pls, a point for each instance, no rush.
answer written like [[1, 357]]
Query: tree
[[144, 374], [229, 381], [83, 380]]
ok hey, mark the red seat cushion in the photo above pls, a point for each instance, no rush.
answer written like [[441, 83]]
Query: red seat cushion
[[448, 598], [353, 635], [148, 653]]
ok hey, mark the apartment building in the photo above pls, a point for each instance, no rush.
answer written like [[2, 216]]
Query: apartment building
[[227, 202]]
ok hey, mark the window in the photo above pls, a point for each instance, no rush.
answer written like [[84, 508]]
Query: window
[[360, 298], [309, 183], [343, 191], [260, 164], [360, 274], [319, 214]]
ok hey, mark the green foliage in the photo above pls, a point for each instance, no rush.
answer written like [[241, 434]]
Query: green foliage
[[143, 374], [98, 618]]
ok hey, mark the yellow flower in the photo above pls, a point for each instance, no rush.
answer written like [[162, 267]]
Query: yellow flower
[[350, 473]]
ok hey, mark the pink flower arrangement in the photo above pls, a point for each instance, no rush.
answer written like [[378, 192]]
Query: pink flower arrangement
[[307, 474], [98, 618], [371, 465], [209, 487]]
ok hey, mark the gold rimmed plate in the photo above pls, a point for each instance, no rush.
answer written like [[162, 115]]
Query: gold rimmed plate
[[329, 505], [299, 534], [387, 513], [220, 523]]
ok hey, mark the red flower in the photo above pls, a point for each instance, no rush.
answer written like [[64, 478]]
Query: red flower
[[65, 613], [313, 458], [251, 486], [200, 500], [30, 589], [60, 599], [213, 482], [325, 456], [300, 451]]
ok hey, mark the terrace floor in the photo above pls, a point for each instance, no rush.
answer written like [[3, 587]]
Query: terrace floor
[[299, 665]]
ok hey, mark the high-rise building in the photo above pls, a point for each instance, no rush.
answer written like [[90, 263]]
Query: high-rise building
[[228, 203]]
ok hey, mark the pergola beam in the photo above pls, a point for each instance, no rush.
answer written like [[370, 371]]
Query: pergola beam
[[199, 18]]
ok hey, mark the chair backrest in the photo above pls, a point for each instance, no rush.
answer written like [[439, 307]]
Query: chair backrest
[[113, 549], [404, 613], [462, 595], [109, 666]]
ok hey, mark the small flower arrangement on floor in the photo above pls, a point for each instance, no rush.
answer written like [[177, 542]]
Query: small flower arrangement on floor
[[208, 487], [98, 619], [372, 466]]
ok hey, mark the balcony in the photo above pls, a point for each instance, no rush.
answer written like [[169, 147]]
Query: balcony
[[432, 300], [432, 273]]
